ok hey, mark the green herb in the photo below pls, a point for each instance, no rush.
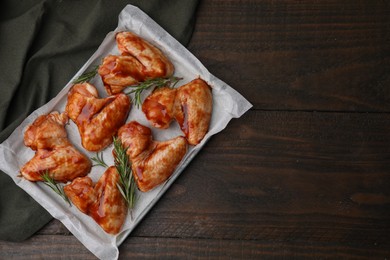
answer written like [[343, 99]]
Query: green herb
[[151, 83], [57, 188], [86, 76], [99, 160], [126, 185]]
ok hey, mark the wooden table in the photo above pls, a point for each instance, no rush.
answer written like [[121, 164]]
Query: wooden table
[[306, 172]]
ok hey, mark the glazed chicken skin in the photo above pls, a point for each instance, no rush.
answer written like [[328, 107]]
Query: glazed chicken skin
[[97, 119], [153, 162], [103, 201], [155, 63], [54, 153], [139, 60], [190, 105], [119, 72]]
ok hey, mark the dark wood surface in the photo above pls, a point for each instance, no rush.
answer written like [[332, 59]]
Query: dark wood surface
[[306, 172]]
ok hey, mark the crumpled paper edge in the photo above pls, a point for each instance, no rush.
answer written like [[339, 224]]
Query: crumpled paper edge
[[133, 19]]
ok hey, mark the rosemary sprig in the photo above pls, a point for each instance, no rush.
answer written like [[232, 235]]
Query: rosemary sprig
[[126, 185], [137, 89], [99, 160], [57, 188], [86, 76]]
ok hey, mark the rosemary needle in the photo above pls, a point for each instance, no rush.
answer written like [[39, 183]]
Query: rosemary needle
[[126, 185], [57, 188], [137, 89], [86, 76], [99, 160]]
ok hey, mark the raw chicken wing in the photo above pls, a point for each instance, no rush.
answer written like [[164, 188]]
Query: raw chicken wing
[[119, 72], [97, 119], [103, 201], [139, 60], [190, 105], [153, 162], [155, 63], [54, 153]]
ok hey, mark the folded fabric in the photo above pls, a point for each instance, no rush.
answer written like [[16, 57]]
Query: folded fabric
[[43, 43]]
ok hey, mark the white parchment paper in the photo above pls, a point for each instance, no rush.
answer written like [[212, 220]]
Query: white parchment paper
[[227, 104]]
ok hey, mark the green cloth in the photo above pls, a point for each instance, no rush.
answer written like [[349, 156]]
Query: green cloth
[[43, 43]]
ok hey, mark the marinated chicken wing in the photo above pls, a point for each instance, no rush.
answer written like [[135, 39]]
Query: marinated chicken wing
[[160, 107], [119, 72], [97, 119], [190, 105], [155, 63], [152, 162], [103, 201], [139, 60], [54, 153]]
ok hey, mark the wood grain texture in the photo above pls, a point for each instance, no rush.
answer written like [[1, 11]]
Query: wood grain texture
[[43, 247], [306, 172], [306, 55]]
